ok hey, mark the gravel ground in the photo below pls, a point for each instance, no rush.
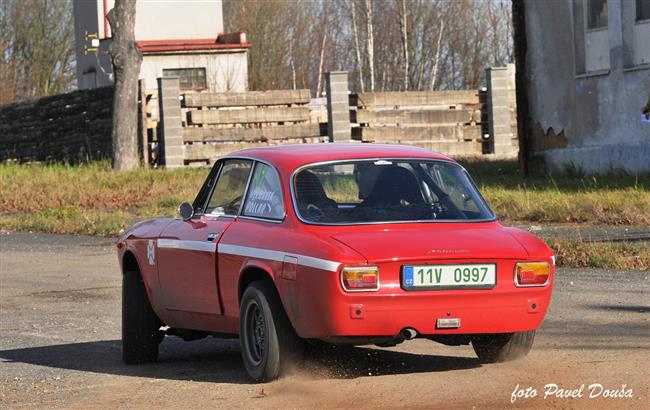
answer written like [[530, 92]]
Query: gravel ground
[[60, 330]]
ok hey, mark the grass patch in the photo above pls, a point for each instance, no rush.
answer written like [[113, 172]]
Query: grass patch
[[35, 187], [617, 255], [93, 199], [90, 199], [613, 199]]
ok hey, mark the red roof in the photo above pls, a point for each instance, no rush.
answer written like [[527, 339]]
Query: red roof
[[291, 156], [223, 42]]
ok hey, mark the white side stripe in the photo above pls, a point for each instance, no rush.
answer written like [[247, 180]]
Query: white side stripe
[[187, 245], [279, 256]]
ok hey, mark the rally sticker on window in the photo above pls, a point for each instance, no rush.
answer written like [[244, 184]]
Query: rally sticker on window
[[260, 202]]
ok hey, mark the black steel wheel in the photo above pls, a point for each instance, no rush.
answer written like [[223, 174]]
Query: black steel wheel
[[256, 334], [140, 325], [266, 336], [502, 347]]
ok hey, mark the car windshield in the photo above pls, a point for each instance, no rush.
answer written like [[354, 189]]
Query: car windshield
[[370, 191]]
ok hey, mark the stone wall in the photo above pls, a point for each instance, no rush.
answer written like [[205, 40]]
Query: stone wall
[[74, 127]]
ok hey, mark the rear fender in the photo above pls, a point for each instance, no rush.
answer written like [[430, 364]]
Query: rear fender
[[286, 289], [255, 265]]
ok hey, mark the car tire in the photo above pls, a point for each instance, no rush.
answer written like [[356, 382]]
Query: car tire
[[502, 347], [266, 336], [140, 325]]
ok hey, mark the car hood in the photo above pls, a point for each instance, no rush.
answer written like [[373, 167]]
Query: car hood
[[434, 242]]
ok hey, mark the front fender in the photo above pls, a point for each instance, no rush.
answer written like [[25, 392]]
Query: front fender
[[139, 240]]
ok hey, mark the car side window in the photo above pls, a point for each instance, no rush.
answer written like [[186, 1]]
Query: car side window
[[448, 181], [229, 190], [204, 193], [264, 198]]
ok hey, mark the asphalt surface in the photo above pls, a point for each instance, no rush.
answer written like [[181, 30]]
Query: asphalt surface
[[591, 233], [60, 331]]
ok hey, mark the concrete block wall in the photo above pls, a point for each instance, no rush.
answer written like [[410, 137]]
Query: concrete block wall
[[501, 110], [338, 106], [170, 122]]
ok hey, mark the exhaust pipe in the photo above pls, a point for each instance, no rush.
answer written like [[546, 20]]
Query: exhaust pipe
[[408, 333]]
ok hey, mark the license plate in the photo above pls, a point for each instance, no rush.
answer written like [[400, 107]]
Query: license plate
[[434, 277]]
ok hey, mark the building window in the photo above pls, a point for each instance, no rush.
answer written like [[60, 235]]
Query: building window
[[642, 10], [641, 34], [188, 78], [596, 14]]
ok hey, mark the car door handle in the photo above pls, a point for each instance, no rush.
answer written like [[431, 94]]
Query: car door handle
[[213, 236]]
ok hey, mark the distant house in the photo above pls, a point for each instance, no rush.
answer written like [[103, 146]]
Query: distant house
[[585, 72], [177, 38]]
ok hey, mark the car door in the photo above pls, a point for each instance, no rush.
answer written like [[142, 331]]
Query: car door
[[187, 250]]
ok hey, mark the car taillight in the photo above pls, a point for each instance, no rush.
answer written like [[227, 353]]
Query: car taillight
[[360, 278], [532, 273]]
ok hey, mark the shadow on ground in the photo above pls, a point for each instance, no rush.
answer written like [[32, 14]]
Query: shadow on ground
[[623, 308], [219, 361]]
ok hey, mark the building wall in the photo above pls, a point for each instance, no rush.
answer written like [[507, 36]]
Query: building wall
[[641, 33], [156, 20], [94, 67], [225, 71], [164, 19], [581, 115]]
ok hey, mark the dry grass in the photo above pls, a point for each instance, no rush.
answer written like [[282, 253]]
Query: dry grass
[[618, 255], [93, 192], [90, 199], [613, 199]]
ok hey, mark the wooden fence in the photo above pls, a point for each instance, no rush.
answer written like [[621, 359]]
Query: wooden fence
[[189, 128], [446, 121], [214, 124]]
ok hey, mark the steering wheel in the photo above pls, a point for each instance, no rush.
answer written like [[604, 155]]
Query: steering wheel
[[232, 203], [314, 212]]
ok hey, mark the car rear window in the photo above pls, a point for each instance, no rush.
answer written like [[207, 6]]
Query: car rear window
[[372, 191]]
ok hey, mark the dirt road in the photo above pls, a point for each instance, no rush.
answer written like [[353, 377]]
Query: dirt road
[[60, 330]]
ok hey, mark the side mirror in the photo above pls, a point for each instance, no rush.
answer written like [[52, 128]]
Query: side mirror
[[186, 211]]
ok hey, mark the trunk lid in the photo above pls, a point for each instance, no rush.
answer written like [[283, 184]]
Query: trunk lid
[[442, 241]]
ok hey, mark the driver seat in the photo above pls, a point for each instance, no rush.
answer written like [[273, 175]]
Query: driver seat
[[393, 185], [310, 191]]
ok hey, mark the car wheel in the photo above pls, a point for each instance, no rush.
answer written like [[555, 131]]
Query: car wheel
[[502, 347], [140, 326], [266, 336]]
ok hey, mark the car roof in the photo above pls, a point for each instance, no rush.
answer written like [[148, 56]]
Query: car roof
[[291, 156]]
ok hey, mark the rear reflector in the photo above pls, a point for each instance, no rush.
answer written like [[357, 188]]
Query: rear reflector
[[532, 274], [360, 278], [448, 323]]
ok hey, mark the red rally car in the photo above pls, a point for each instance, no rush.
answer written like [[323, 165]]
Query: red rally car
[[342, 243]]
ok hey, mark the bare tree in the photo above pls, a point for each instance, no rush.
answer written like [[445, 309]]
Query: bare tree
[[357, 49], [434, 74], [405, 45], [36, 49], [293, 65], [441, 44], [370, 47], [319, 89], [126, 66]]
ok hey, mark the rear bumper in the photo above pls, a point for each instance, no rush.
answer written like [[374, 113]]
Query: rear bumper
[[323, 310]]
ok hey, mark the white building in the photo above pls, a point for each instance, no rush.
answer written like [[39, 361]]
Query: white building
[[586, 72], [182, 39]]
